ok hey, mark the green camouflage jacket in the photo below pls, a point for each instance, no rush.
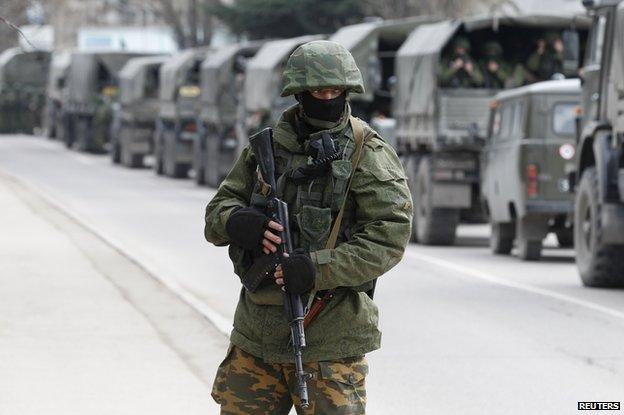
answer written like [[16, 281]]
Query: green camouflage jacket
[[374, 233]]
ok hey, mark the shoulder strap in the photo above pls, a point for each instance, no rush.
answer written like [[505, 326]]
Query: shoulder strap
[[358, 136]]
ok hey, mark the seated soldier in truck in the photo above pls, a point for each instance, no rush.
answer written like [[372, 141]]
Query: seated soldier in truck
[[459, 70], [547, 60], [496, 72]]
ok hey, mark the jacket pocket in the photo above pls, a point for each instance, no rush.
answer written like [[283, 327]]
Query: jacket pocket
[[314, 225], [341, 386]]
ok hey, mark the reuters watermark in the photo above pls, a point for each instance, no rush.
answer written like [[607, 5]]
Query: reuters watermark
[[598, 406]]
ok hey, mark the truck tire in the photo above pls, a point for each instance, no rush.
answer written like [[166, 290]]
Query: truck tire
[[410, 164], [501, 238], [599, 264], [434, 226], [529, 249], [565, 237]]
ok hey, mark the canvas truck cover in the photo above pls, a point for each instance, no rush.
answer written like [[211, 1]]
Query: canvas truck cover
[[59, 68], [173, 69], [418, 58], [362, 40], [263, 79], [83, 70], [132, 77], [217, 77], [18, 67]]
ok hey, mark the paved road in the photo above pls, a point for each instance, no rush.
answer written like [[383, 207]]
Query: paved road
[[464, 332]]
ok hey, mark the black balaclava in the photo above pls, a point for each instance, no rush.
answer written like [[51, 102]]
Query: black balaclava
[[322, 109]]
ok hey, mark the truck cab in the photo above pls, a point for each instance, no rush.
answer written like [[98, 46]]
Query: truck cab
[[599, 173], [134, 116], [176, 125], [221, 116], [529, 148]]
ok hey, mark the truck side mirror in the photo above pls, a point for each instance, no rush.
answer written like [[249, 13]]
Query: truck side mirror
[[571, 52]]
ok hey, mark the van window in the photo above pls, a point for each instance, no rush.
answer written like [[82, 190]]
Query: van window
[[506, 121], [563, 118]]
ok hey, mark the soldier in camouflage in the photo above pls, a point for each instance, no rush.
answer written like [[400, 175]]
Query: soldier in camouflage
[[459, 70], [257, 375]]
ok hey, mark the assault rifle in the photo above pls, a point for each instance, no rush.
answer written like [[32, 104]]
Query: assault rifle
[[277, 210]]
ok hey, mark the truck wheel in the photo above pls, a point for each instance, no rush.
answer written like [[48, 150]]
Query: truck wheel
[[410, 169], [180, 171], [501, 238], [600, 265], [434, 226], [529, 250], [134, 161], [116, 152], [565, 237]]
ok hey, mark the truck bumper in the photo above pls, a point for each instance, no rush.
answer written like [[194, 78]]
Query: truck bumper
[[549, 207], [452, 195]]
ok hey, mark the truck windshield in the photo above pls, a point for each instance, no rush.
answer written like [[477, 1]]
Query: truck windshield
[[563, 117]]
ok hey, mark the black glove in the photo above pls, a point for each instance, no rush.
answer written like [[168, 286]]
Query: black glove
[[246, 227], [299, 272]]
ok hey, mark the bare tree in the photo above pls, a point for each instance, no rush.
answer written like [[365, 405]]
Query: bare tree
[[13, 14], [392, 9]]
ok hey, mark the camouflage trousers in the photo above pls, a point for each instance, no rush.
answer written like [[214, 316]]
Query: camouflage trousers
[[246, 385]]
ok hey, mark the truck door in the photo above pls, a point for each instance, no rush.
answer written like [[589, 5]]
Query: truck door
[[591, 70], [615, 103]]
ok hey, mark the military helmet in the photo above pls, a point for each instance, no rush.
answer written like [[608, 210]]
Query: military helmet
[[551, 36], [461, 42], [492, 49], [321, 64]]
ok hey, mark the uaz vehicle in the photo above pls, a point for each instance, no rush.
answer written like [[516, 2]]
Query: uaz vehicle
[[176, 126], [222, 111], [524, 181], [441, 130], [134, 116], [23, 76], [92, 88], [599, 175]]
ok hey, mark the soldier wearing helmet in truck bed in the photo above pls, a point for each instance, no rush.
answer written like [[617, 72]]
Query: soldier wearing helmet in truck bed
[[459, 70]]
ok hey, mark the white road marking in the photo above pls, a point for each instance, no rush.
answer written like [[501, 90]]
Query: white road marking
[[466, 272]]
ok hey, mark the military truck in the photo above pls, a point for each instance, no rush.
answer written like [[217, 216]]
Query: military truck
[[92, 88], [52, 119], [176, 125], [134, 116], [23, 76], [374, 45], [440, 131], [529, 149], [599, 174], [263, 84], [222, 82]]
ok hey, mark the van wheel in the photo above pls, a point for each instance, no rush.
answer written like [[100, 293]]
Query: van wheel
[[565, 237], [600, 265], [529, 250], [501, 238], [434, 226]]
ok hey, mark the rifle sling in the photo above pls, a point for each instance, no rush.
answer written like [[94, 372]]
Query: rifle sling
[[319, 302]]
